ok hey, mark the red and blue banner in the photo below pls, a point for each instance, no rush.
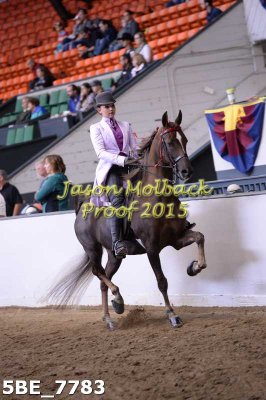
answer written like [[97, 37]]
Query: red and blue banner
[[236, 132], [263, 3]]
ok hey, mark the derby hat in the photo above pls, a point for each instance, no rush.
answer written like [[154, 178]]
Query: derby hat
[[104, 98]]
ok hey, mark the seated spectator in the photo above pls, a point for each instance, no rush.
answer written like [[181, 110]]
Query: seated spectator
[[117, 44], [33, 65], [86, 99], [73, 95], [143, 47], [96, 87], [2, 206], [44, 78], [139, 63], [175, 2], [59, 26], [108, 35], [127, 41], [212, 12], [131, 26], [53, 185], [125, 76], [81, 22], [86, 39], [11, 195], [26, 113], [35, 108], [36, 207]]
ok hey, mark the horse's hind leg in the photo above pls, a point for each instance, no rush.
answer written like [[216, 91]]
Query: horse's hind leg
[[118, 303], [163, 287], [190, 237]]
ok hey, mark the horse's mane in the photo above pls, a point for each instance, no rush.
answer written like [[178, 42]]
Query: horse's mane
[[143, 151]]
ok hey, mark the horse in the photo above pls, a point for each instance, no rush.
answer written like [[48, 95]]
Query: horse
[[164, 157]]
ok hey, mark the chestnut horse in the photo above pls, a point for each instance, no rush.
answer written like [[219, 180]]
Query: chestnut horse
[[164, 157]]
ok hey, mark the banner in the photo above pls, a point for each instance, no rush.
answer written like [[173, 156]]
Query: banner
[[263, 3], [236, 132]]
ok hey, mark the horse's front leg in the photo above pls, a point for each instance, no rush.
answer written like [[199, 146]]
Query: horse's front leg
[[155, 262], [189, 237], [118, 303]]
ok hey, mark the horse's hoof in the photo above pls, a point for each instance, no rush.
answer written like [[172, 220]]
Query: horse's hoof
[[191, 271], [119, 308], [109, 323], [176, 322]]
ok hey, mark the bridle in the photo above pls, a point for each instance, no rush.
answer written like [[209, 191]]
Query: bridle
[[173, 161]]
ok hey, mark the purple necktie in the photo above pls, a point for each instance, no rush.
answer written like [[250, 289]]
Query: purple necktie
[[117, 133]]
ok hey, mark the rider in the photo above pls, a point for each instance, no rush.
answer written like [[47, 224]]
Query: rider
[[114, 143]]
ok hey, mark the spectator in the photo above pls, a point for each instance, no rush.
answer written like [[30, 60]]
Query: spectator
[[2, 206], [212, 12], [41, 171], [96, 87], [81, 22], [32, 65], [35, 108], [86, 100], [125, 76], [131, 26], [175, 2], [108, 35], [117, 44], [127, 41], [59, 26], [139, 63], [53, 186], [73, 95], [143, 47], [11, 195], [44, 78], [26, 113], [87, 38]]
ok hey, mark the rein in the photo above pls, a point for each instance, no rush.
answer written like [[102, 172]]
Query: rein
[[161, 159]]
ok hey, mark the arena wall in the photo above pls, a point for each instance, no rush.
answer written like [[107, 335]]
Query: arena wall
[[35, 250], [193, 79]]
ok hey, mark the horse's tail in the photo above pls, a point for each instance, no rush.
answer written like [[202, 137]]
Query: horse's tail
[[72, 286]]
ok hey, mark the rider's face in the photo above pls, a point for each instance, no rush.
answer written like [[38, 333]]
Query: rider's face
[[107, 111]]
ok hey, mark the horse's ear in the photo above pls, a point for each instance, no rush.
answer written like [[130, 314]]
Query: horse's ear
[[179, 118], [165, 119]]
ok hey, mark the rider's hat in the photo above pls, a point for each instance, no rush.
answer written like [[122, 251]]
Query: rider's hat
[[104, 98]]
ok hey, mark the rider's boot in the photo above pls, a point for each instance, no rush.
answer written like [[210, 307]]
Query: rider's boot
[[119, 246]]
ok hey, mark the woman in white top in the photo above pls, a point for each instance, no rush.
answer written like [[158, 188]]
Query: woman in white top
[[139, 64], [2, 206], [142, 47]]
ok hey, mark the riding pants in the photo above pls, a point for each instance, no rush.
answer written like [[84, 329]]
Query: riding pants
[[114, 177]]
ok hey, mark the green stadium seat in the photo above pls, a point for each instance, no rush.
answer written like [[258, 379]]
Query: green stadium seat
[[54, 96], [107, 83], [54, 110], [43, 99], [5, 119], [63, 97], [28, 133], [11, 136], [19, 135], [18, 108], [63, 107]]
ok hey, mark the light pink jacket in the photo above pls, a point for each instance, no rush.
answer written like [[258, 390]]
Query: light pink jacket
[[107, 151]]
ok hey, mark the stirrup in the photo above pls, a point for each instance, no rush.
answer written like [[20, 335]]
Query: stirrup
[[120, 249]]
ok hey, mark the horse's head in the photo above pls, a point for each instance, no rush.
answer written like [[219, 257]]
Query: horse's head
[[173, 147]]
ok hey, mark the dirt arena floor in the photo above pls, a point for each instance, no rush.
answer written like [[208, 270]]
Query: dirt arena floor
[[220, 353]]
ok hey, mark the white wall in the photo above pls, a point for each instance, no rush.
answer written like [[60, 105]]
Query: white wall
[[220, 57], [34, 250], [256, 20]]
